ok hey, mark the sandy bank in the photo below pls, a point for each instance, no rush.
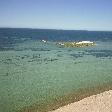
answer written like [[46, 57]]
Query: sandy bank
[[96, 103]]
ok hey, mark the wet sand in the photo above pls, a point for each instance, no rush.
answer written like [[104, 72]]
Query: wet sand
[[96, 103]]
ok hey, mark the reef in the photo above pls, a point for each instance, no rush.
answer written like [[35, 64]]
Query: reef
[[77, 44]]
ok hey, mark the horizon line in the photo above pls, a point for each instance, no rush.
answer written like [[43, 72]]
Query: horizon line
[[55, 29]]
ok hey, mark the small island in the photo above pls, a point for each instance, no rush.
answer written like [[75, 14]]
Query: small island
[[77, 44]]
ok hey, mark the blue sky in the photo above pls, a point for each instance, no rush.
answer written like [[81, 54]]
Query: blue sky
[[57, 14]]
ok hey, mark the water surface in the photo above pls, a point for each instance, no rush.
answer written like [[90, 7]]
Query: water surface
[[36, 75]]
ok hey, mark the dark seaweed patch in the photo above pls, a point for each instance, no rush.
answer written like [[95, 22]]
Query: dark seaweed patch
[[59, 55], [7, 74], [39, 59], [69, 50], [59, 51], [76, 55], [39, 49], [77, 62], [9, 61], [53, 59], [22, 57], [49, 59], [32, 49], [99, 53]]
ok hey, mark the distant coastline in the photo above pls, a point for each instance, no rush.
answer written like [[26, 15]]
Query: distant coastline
[[54, 29]]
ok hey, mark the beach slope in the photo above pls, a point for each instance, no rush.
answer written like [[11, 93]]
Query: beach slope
[[97, 103]]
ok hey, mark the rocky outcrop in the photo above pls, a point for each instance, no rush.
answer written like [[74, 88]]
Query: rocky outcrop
[[76, 44]]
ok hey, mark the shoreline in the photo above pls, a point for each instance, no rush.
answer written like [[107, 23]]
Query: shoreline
[[67, 100], [96, 103]]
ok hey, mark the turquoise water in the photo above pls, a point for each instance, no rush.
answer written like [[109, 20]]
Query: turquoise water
[[39, 73]]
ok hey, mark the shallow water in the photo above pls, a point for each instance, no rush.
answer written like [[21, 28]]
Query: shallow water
[[37, 73]]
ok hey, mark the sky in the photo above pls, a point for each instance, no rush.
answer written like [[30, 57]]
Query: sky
[[57, 14]]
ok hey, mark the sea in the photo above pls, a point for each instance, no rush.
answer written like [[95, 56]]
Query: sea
[[37, 76]]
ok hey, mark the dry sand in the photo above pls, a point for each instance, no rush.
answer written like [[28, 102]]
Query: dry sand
[[96, 103]]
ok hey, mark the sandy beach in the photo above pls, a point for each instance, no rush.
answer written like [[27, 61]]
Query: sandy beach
[[97, 103]]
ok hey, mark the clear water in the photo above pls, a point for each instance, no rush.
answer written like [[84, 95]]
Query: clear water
[[36, 73]]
